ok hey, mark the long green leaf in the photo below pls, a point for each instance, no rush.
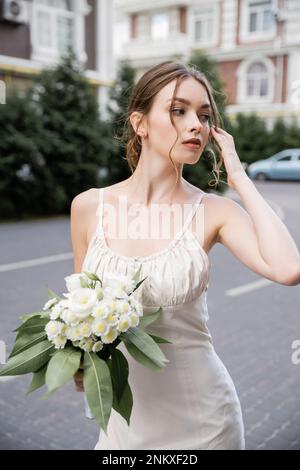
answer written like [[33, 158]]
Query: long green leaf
[[62, 366], [146, 345], [141, 357], [52, 294], [33, 325], [124, 406], [38, 379], [29, 360], [26, 316], [137, 274], [159, 339], [146, 320], [98, 388], [119, 372], [25, 341]]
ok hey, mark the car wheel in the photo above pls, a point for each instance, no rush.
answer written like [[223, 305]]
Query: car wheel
[[261, 176]]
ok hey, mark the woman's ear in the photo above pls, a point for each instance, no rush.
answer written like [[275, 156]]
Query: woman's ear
[[136, 120]]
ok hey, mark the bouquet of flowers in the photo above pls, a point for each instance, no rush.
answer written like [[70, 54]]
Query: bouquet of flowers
[[84, 329]]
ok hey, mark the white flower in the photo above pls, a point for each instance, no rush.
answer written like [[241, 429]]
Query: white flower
[[50, 303], [85, 329], [74, 333], [135, 319], [86, 345], [110, 336], [112, 319], [100, 326], [82, 301], [57, 310], [73, 281], [137, 306], [120, 284], [102, 309], [122, 306], [99, 292], [69, 317], [97, 346], [53, 329], [124, 323], [59, 341]]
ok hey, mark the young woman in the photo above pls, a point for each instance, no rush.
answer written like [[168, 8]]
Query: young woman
[[193, 403]]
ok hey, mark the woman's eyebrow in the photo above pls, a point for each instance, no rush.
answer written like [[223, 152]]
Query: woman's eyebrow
[[183, 100]]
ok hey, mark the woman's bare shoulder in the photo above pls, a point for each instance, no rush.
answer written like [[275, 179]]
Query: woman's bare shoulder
[[85, 201]]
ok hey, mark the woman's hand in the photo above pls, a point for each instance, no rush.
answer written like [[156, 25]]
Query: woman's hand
[[78, 379], [232, 163]]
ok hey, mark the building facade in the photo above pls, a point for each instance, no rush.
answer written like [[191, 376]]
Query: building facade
[[256, 44], [35, 33]]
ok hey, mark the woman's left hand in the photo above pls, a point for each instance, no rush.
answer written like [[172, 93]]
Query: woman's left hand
[[232, 163]]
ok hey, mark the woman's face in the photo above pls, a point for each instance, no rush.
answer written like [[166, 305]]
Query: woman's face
[[191, 112]]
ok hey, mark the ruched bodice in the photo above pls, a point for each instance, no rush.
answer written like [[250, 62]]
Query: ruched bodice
[[192, 403]]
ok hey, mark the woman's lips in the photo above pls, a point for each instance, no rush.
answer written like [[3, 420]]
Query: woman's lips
[[192, 146]]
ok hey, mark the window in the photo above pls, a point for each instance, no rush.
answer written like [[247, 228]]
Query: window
[[205, 26], [257, 80], [284, 159], [260, 16], [160, 26], [257, 20], [53, 25]]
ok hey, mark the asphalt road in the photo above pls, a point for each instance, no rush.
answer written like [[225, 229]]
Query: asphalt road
[[253, 330]]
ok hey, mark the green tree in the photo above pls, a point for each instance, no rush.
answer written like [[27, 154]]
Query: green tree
[[117, 108], [251, 137], [72, 141], [22, 167], [283, 136]]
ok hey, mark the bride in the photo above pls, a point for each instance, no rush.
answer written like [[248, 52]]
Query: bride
[[172, 118]]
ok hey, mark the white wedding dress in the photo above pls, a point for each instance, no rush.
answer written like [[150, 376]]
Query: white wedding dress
[[192, 403]]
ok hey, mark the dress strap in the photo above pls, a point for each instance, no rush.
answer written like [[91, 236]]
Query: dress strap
[[191, 214]]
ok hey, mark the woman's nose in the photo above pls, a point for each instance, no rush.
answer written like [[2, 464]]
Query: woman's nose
[[196, 126]]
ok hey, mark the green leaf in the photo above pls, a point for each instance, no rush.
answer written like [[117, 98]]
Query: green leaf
[[159, 339], [26, 316], [29, 360], [98, 388], [51, 295], [124, 406], [92, 276], [38, 379], [33, 325], [146, 345], [83, 283], [119, 372], [146, 320], [62, 366], [25, 340], [138, 284], [137, 274], [141, 357]]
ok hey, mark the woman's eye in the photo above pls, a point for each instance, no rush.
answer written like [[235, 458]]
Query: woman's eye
[[176, 109], [203, 117]]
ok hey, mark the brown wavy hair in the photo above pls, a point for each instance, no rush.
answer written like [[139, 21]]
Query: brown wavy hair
[[141, 100]]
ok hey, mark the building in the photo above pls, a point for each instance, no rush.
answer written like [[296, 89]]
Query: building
[[34, 34], [255, 42]]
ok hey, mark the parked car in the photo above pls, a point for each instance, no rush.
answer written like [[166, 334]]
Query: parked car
[[284, 165]]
